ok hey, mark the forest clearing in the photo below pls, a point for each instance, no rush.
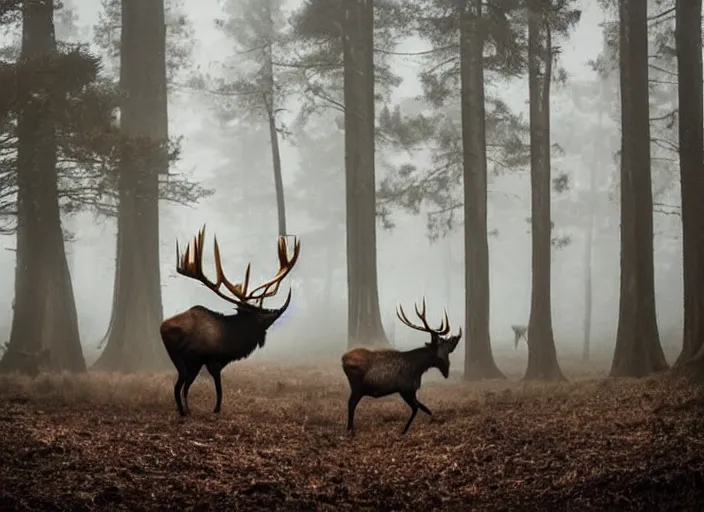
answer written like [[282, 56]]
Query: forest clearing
[[521, 166], [115, 442]]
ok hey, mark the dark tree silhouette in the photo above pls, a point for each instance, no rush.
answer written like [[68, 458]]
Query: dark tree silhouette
[[338, 40], [688, 36], [638, 351], [364, 316], [479, 359], [132, 340], [45, 318], [542, 355]]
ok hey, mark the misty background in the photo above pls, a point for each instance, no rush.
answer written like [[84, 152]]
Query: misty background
[[236, 162]]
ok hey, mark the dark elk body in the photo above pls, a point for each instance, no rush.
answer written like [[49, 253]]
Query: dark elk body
[[201, 337], [378, 373]]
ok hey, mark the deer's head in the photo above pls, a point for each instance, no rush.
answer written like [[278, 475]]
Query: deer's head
[[441, 345]]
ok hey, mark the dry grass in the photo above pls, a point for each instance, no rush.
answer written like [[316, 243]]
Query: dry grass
[[114, 442]]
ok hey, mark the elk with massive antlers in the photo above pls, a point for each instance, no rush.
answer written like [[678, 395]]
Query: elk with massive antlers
[[200, 337], [378, 373]]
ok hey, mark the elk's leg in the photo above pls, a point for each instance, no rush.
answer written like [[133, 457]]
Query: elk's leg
[[191, 374], [354, 399], [215, 369], [177, 394], [180, 381], [410, 398]]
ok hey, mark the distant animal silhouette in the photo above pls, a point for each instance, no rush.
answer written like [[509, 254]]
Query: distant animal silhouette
[[383, 372], [199, 336], [519, 332]]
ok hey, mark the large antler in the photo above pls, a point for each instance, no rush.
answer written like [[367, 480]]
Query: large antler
[[191, 265], [271, 287], [441, 331]]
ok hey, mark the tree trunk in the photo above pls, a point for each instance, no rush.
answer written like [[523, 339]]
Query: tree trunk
[[278, 179], [269, 101], [542, 356], [133, 335], [364, 317], [589, 231], [449, 275], [638, 351], [479, 361], [588, 249], [44, 319], [688, 36]]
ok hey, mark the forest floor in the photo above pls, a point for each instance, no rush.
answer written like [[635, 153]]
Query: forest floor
[[115, 442]]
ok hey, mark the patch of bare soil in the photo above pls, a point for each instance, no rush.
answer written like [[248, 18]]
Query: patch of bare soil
[[112, 442]]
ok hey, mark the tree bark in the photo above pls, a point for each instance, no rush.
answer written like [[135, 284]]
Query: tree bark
[[132, 340], [479, 361], [278, 178], [589, 230], [44, 319], [269, 101], [688, 37], [542, 355], [638, 350], [587, 323], [364, 316]]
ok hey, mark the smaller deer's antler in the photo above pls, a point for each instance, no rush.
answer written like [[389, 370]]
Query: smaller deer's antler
[[441, 331]]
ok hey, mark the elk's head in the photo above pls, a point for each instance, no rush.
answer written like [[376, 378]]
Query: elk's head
[[440, 344], [249, 304]]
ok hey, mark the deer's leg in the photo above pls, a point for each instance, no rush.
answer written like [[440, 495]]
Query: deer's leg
[[354, 399], [410, 398], [215, 369], [191, 374], [423, 407]]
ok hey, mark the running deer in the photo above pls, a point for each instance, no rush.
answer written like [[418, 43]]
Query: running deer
[[199, 336], [383, 372]]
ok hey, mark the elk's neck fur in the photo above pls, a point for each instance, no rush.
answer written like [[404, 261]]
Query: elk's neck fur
[[241, 332]]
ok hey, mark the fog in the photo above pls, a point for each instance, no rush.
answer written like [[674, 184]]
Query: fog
[[242, 212]]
